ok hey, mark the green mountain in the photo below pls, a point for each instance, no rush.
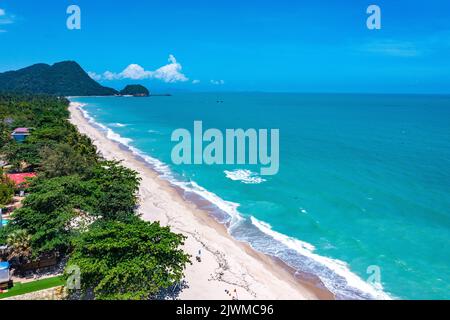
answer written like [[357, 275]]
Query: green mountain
[[65, 78], [135, 90]]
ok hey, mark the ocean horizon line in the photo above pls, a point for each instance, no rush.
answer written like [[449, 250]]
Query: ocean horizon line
[[174, 92]]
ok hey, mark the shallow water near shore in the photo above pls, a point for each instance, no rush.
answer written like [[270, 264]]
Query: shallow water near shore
[[363, 180]]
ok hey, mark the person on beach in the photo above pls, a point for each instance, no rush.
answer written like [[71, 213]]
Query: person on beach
[[199, 256]]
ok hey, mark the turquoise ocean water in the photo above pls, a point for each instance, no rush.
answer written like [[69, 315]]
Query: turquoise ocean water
[[363, 186]]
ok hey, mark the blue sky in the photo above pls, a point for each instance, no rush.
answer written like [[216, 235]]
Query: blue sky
[[301, 45]]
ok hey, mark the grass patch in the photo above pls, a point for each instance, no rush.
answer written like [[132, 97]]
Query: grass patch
[[23, 288]]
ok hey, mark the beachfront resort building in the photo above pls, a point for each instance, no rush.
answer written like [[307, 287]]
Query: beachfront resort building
[[20, 134]]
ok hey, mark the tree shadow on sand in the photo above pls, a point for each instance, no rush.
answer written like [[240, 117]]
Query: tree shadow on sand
[[173, 292]]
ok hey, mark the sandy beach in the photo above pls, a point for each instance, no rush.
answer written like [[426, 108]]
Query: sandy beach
[[226, 264]]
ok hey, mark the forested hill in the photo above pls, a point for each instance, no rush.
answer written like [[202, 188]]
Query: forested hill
[[65, 78], [136, 90]]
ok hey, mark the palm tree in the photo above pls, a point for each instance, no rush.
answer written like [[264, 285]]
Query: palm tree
[[19, 245]]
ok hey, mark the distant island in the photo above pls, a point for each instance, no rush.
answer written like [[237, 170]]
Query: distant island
[[135, 90], [65, 78]]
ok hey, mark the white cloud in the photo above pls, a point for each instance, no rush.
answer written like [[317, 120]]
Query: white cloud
[[95, 76], [169, 73], [108, 75], [195, 81], [217, 82], [6, 18], [134, 72]]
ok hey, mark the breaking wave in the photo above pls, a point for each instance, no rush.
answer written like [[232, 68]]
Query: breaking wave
[[245, 176]]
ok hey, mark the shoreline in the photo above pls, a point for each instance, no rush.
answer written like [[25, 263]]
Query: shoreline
[[227, 264]]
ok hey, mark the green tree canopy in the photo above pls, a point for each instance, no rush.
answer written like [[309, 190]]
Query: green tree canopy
[[118, 188], [6, 189], [134, 260], [63, 160], [47, 212], [6, 194]]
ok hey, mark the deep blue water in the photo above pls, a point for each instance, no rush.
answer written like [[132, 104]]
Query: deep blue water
[[364, 180]]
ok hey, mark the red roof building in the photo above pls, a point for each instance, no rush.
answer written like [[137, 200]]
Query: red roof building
[[19, 179]]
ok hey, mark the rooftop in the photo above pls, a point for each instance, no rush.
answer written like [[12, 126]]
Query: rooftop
[[4, 265], [21, 130], [20, 178]]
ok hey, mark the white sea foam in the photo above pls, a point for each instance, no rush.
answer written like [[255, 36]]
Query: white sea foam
[[118, 125], [245, 176], [110, 134], [338, 267], [231, 208]]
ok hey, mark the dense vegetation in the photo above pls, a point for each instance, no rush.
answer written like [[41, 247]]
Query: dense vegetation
[[83, 207], [6, 189], [65, 78], [135, 90], [138, 259]]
